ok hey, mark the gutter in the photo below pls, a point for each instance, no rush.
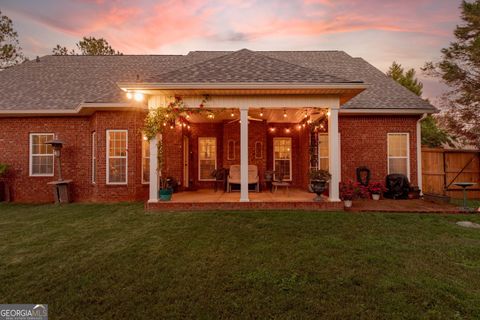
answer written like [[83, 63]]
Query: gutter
[[239, 85]]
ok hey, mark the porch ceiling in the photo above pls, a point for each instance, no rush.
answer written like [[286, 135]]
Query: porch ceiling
[[269, 115]]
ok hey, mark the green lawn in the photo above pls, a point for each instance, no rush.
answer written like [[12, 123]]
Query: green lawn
[[116, 262]]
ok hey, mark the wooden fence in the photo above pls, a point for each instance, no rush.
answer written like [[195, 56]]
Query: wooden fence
[[441, 168]]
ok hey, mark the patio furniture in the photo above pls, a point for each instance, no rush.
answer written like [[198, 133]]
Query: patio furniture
[[234, 177], [220, 176], [464, 186], [278, 182], [397, 186]]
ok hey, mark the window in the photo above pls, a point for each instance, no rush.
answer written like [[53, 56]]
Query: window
[[41, 155], [94, 157], [117, 159], [231, 150], [145, 160], [282, 157], [323, 151], [207, 158], [398, 153]]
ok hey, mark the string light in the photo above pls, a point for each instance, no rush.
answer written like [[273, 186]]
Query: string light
[[284, 113], [272, 129], [287, 130], [188, 127], [261, 112], [211, 116], [306, 114], [299, 127], [232, 114]]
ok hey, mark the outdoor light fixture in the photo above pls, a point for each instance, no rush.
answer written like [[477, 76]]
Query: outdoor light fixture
[[284, 113], [328, 113], [232, 114], [287, 130], [129, 95], [211, 116], [272, 129], [306, 114], [138, 96], [261, 112]]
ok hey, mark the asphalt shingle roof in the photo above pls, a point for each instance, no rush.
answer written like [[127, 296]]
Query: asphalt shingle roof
[[245, 66], [63, 82]]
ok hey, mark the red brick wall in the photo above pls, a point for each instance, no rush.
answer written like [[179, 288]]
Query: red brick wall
[[364, 143], [76, 156]]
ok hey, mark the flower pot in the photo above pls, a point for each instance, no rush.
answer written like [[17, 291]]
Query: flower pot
[[318, 186], [375, 196], [347, 203], [165, 194]]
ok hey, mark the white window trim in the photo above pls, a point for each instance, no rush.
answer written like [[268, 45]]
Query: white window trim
[[143, 152], [319, 156], [291, 160], [108, 159], [408, 152], [30, 156], [216, 156], [94, 157]]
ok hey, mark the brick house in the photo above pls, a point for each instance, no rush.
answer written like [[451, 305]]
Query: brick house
[[266, 103]]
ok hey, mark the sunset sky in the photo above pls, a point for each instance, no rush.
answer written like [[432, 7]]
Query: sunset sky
[[380, 31]]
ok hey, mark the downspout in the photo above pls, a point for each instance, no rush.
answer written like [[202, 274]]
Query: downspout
[[419, 153]]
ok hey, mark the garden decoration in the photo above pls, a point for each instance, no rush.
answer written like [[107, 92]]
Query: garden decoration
[[363, 175], [318, 182]]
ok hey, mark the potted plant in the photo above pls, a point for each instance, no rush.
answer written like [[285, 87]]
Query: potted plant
[[376, 189], [350, 191], [318, 181], [165, 190]]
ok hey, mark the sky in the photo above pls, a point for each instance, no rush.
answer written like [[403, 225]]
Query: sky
[[410, 32]]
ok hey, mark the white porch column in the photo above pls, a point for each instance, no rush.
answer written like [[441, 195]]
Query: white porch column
[[244, 154], [334, 158], [153, 187], [419, 154]]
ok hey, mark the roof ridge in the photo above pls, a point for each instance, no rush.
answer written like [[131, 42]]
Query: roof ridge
[[262, 55]]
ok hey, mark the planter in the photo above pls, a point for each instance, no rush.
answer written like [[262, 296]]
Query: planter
[[347, 203], [165, 194], [318, 186], [375, 196]]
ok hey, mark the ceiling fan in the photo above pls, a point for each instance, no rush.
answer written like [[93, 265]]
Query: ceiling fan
[[250, 118]]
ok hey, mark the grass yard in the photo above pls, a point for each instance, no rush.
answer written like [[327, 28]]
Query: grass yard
[[116, 262]]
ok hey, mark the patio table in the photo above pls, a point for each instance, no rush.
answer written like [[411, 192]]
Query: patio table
[[464, 186]]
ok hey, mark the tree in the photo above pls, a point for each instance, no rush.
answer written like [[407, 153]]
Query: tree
[[406, 79], [459, 68], [88, 46], [10, 51], [432, 135]]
